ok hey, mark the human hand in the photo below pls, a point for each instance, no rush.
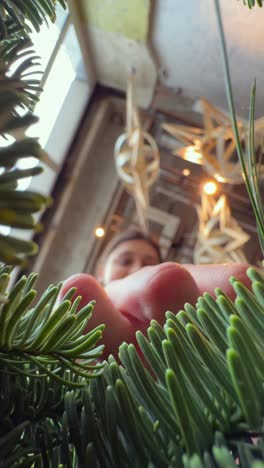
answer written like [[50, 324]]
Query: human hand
[[129, 304]]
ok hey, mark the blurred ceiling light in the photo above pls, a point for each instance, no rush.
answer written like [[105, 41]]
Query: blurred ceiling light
[[186, 172], [210, 188], [99, 232], [214, 145], [192, 154]]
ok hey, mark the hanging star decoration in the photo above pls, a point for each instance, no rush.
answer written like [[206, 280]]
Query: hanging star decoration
[[220, 238], [214, 145], [137, 158]]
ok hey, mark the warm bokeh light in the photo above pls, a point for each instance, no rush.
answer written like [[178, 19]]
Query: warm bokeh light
[[186, 172], [99, 232], [193, 155], [210, 187]]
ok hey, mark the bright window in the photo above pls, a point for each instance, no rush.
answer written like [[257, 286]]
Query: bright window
[[64, 81]]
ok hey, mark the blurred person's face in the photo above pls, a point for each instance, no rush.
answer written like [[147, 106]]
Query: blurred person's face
[[128, 257]]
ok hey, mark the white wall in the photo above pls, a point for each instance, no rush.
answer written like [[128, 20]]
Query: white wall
[[186, 40]]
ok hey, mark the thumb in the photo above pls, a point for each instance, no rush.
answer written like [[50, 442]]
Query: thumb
[[148, 293]]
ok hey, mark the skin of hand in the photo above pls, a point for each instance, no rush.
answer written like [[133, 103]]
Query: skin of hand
[[128, 304]]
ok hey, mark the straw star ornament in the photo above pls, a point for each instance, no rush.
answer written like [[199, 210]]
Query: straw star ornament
[[220, 238], [137, 158], [213, 146]]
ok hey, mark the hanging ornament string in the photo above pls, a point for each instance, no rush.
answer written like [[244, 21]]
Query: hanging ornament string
[[220, 238], [137, 158]]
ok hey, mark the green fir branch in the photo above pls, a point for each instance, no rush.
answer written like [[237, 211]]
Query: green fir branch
[[38, 341], [17, 208], [250, 167], [19, 17], [252, 3], [196, 405], [19, 71]]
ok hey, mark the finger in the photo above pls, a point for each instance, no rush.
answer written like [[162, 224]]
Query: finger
[[117, 327], [209, 277], [151, 291]]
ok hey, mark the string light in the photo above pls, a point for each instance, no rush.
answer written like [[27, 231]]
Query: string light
[[210, 187], [186, 172], [99, 232], [193, 155]]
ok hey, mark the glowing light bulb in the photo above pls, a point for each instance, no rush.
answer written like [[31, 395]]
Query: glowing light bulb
[[192, 154], [210, 188], [99, 232], [186, 172]]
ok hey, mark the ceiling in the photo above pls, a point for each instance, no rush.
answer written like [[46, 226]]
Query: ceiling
[[177, 43], [186, 39]]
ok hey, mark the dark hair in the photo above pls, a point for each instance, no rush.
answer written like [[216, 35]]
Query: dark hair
[[130, 234]]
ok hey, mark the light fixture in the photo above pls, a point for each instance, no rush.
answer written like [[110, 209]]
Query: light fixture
[[192, 154], [99, 232], [220, 239], [214, 145], [210, 187], [186, 172]]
